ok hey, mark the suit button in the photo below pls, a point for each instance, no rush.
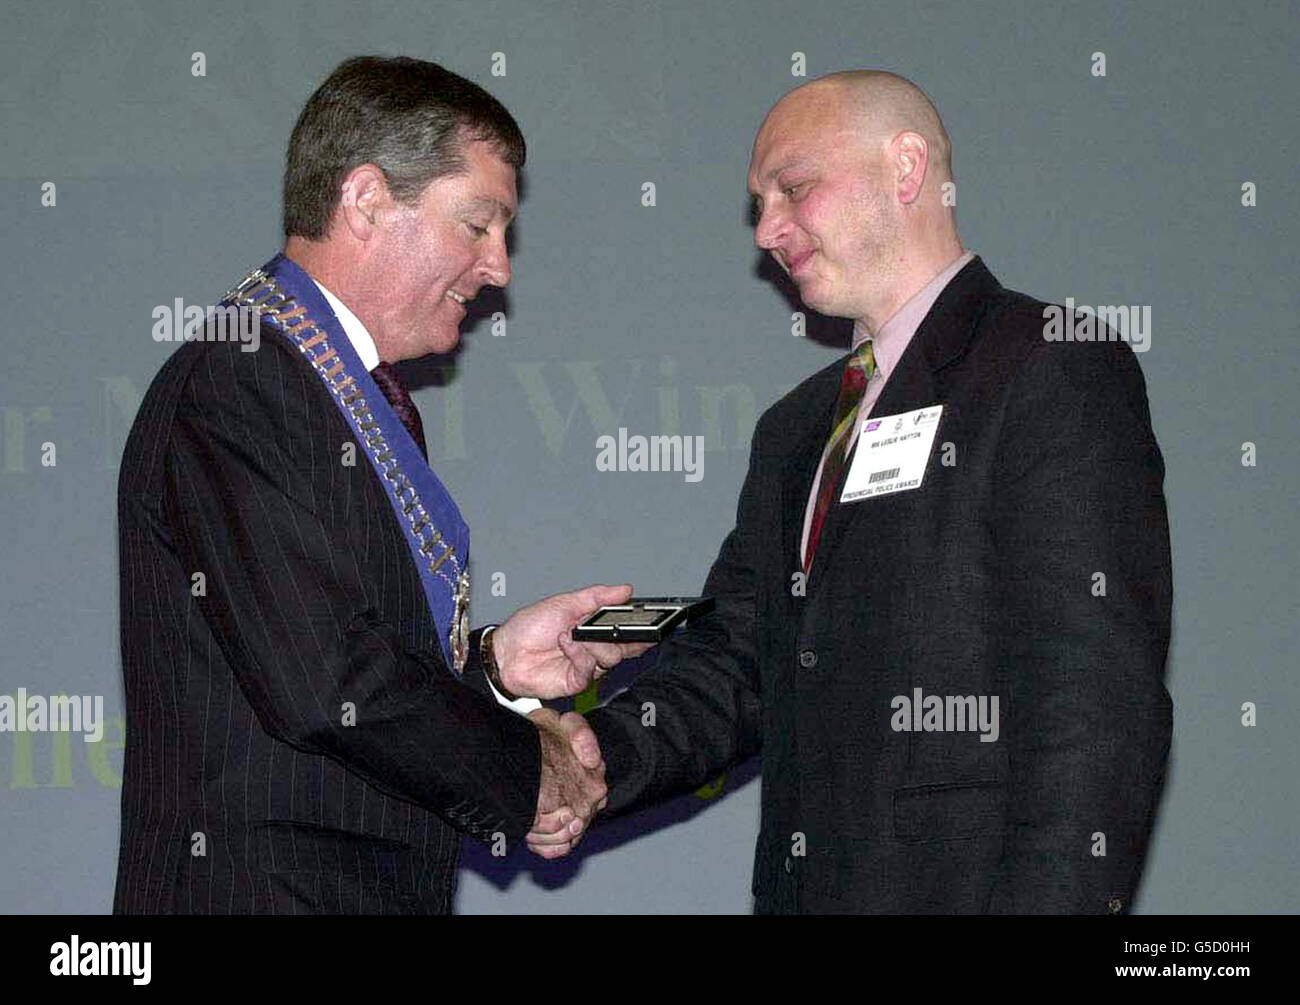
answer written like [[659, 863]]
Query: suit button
[[807, 659], [789, 865], [1114, 905]]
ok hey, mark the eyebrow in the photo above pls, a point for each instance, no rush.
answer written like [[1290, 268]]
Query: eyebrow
[[496, 205], [785, 165]]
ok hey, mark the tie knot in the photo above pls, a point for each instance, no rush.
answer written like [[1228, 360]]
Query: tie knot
[[860, 367], [389, 382], [394, 390]]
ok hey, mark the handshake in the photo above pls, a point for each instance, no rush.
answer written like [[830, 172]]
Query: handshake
[[538, 657]]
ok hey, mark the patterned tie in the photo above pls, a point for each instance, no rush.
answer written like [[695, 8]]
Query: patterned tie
[[390, 383], [857, 371]]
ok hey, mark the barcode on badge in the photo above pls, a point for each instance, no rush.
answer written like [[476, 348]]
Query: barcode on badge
[[882, 476]]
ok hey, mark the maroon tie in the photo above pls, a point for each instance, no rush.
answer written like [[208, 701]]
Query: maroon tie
[[390, 383]]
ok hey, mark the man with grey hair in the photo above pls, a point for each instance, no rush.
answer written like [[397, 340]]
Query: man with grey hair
[[943, 613], [310, 722]]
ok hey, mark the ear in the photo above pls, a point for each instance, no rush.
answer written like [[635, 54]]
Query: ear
[[364, 195], [911, 158]]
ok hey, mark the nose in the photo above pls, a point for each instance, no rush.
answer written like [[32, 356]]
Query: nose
[[771, 228], [495, 265]]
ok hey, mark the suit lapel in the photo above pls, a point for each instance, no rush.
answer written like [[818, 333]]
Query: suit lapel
[[804, 459]]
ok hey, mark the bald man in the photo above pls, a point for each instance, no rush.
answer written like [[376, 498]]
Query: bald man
[[943, 613]]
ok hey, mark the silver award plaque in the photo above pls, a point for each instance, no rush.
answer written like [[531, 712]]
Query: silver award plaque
[[641, 619]]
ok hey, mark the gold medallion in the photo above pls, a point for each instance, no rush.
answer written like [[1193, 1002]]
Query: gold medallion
[[459, 634]]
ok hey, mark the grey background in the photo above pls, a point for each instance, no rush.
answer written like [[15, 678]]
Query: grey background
[[1116, 190]]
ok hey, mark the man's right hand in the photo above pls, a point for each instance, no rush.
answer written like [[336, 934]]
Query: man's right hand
[[536, 652], [572, 789]]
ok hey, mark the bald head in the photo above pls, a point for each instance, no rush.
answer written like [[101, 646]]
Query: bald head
[[874, 106], [885, 104], [850, 172]]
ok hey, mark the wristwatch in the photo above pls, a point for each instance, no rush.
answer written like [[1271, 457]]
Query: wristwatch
[[488, 660]]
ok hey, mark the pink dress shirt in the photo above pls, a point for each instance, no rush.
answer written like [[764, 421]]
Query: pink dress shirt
[[887, 349]]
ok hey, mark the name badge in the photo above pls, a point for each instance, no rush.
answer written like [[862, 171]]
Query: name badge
[[892, 453]]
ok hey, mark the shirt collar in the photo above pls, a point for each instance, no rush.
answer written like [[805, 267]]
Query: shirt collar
[[362, 343], [894, 335]]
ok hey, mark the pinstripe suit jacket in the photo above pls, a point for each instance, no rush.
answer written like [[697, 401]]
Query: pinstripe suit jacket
[[247, 787]]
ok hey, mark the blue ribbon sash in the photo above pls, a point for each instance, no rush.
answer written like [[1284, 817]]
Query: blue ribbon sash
[[435, 531]]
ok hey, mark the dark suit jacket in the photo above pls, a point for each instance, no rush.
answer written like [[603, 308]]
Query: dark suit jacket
[[244, 790], [980, 582]]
